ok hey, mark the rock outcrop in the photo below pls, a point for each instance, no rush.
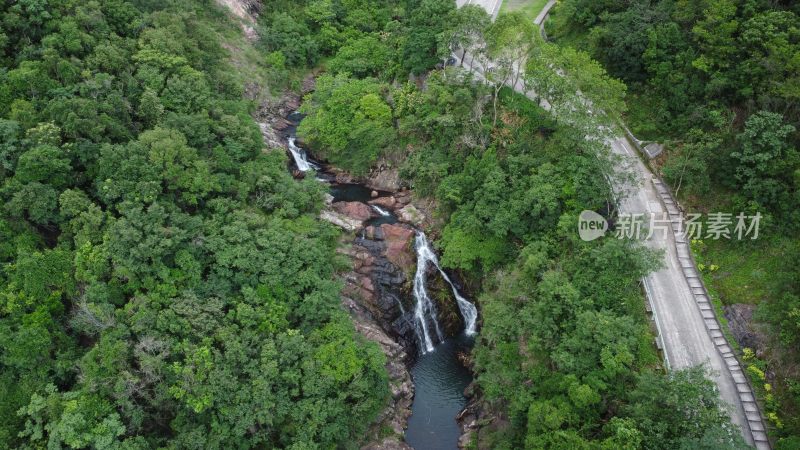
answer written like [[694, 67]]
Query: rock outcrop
[[354, 210], [373, 294], [411, 214], [340, 220], [740, 322], [384, 178], [399, 240], [247, 12]]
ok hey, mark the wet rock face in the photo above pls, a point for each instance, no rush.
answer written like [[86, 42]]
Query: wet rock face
[[399, 239], [740, 322], [449, 316], [380, 285]]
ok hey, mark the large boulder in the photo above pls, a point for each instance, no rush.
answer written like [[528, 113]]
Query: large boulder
[[340, 220], [402, 198], [399, 245], [411, 214], [387, 202], [354, 210], [384, 178]]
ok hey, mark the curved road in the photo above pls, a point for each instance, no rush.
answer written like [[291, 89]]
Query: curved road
[[689, 332]]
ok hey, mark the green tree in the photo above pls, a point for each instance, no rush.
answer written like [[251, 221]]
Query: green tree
[[680, 410], [349, 122], [767, 162]]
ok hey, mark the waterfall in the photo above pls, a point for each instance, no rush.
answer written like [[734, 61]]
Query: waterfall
[[424, 308], [299, 156], [468, 311], [381, 211]]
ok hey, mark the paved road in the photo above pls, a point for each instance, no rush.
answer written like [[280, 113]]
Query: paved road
[[491, 6], [690, 334]]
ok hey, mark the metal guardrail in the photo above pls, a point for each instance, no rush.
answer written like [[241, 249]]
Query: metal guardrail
[[659, 334]]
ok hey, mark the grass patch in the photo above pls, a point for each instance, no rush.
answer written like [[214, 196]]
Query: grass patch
[[531, 8], [749, 271]]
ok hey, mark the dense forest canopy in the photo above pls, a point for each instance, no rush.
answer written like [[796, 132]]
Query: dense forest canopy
[[165, 282]]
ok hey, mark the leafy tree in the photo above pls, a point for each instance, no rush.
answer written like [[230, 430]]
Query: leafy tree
[[766, 160], [471, 24], [363, 57], [349, 121], [421, 50], [690, 413], [509, 42], [292, 38]]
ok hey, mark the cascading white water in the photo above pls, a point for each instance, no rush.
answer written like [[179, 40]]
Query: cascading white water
[[299, 156], [424, 308], [381, 211], [468, 311]]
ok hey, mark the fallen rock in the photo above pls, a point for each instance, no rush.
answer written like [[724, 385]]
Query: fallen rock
[[340, 220], [373, 194], [281, 124], [411, 214], [354, 210], [398, 239]]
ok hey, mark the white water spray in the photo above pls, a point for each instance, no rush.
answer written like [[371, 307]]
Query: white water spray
[[381, 211]]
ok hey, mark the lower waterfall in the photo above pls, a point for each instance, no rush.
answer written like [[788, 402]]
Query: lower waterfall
[[424, 308]]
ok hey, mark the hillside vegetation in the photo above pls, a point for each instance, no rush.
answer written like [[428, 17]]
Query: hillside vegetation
[[164, 281]]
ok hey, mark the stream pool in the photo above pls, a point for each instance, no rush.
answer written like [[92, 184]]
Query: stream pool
[[439, 383]]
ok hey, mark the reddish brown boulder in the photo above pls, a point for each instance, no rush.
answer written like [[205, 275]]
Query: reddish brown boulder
[[354, 210], [399, 244], [384, 202]]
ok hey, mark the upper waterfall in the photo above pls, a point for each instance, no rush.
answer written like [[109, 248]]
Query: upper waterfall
[[299, 155]]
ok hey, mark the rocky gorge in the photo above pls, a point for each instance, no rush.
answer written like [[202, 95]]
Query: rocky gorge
[[382, 221]]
